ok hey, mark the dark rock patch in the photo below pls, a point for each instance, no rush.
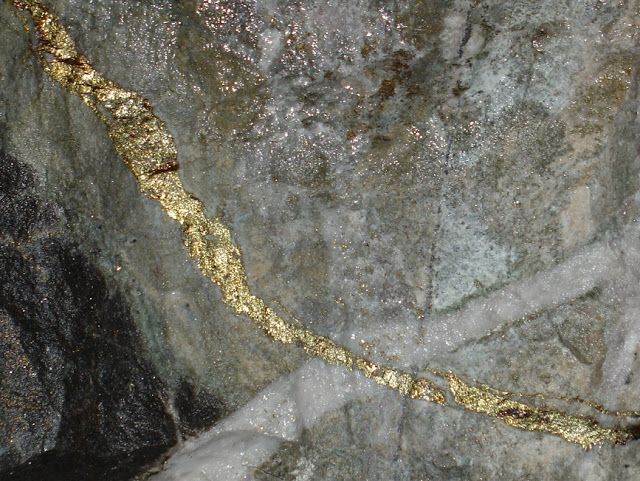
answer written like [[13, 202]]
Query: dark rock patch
[[197, 409], [78, 398]]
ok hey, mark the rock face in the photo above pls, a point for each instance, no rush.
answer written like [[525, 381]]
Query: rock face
[[450, 184], [79, 399]]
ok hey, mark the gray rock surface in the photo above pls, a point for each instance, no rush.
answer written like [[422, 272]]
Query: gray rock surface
[[387, 168]]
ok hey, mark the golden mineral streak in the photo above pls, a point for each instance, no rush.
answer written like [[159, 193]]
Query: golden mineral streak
[[145, 145], [581, 430], [149, 151]]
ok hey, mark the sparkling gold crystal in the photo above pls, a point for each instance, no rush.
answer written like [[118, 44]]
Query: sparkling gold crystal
[[148, 149], [145, 145], [582, 430]]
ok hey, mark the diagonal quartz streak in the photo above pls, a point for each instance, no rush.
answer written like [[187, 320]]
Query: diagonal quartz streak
[[146, 146]]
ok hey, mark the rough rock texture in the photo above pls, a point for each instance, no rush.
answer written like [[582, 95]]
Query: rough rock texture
[[444, 183], [78, 399]]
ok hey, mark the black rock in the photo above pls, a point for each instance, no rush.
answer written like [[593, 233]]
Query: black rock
[[196, 408], [78, 398]]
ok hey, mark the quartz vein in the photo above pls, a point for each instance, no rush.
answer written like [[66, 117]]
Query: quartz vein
[[146, 146]]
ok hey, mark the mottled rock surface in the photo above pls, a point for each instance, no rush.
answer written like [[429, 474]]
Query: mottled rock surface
[[449, 184], [77, 398]]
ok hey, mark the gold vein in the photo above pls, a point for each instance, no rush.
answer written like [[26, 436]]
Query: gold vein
[[147, 148]]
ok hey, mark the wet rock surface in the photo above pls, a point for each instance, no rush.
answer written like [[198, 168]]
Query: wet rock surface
[[445, 184]]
